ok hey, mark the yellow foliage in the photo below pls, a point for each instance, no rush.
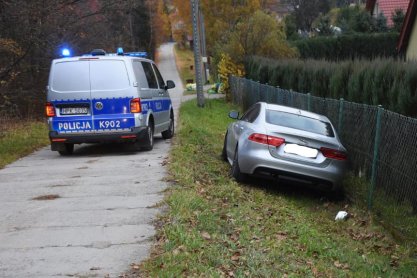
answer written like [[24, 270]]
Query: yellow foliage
[[225, 68], [10, 46]]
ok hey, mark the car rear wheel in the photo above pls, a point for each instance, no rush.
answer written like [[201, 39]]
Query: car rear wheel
[[235, 171], [67, 150], [149, 138], [169, 133]]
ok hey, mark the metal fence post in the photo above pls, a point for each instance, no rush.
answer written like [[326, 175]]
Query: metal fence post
[[340, 123], [375, 157], [308, 101]]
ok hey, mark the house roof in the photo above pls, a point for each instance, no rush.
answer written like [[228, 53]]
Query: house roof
[[408, 24], [387, 7]]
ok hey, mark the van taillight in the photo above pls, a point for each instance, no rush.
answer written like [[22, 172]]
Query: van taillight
[[135, 106], [333, 154], [50, 110]]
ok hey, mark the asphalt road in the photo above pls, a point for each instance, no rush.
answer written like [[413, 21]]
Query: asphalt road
[[100, 220]]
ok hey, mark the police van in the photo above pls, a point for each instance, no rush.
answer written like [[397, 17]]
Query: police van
[[102, 97]]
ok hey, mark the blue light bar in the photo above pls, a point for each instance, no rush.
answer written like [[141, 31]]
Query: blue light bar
[[137, 54], [66, 52], [119, 51]]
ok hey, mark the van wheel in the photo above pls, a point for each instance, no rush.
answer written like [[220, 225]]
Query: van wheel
[[149, 138], [67, 150], [169, 133]]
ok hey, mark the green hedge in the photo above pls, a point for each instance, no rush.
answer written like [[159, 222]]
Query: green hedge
[[390, 83], [369, 46]]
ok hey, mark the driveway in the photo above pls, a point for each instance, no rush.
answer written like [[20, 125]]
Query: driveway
[[89, 214]]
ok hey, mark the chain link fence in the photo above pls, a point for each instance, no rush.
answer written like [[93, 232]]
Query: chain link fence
[[382, 149]]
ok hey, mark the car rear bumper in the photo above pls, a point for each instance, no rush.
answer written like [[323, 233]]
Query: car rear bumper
[[137, 134], [260, 162]]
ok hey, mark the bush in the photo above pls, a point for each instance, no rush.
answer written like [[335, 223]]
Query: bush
[[386, 82], [367, 46]]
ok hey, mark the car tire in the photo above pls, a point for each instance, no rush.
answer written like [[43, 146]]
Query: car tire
[[224, 152], [149, 138], [68, 149], [235, 171], [169, 133]]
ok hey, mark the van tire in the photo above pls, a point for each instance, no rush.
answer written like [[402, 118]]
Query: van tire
[[169, 133], [67, 150], [149, 137]]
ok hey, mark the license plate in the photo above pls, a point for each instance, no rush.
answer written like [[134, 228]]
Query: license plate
[[301, 150], [74, 110]]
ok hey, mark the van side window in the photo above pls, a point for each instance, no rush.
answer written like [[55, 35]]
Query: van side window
[[140, 74], [150, 76], [159, 76]]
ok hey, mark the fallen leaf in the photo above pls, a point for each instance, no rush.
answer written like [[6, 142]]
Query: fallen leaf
[[337, 264], [394, 261], [235, 256], [206, 235]]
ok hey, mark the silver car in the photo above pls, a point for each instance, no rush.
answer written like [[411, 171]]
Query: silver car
[[282, 142]]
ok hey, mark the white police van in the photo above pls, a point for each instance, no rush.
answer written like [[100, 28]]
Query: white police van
[[103, 97]]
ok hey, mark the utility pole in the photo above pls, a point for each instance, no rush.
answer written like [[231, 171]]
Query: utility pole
[[205, 68], [197, 53]]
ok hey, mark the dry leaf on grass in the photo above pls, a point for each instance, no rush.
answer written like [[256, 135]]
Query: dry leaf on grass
[[206, 235]]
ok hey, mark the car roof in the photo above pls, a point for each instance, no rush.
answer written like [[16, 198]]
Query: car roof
[[292, 110]]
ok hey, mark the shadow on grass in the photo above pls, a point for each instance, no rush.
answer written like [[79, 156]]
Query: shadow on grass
[[294, 190]]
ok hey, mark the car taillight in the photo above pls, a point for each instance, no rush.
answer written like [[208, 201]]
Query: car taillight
[[333, 154], [135, 106], [266, 139], [50, 110]]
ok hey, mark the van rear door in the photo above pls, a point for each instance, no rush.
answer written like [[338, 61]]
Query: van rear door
[[111, 93], [69, 91], [91, 95]]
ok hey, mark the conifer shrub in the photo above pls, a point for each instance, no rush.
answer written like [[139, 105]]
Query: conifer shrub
[[386, 82], [363, 45]]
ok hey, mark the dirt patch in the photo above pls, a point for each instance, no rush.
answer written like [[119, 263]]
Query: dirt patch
[[46, 197]]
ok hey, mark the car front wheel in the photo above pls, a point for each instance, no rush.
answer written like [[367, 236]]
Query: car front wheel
[[235, 171], [224, 152]]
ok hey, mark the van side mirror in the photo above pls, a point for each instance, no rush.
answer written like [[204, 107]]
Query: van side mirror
[[234, 115], [170, 84]]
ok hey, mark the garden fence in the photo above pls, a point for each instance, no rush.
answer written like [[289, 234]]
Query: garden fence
[[382, 149]]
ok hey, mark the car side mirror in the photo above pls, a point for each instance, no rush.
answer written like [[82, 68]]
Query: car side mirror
[[234, 115], [170, 84]]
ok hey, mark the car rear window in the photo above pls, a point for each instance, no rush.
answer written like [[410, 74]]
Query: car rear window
[[70, 76], [107, 75], [299, 122]]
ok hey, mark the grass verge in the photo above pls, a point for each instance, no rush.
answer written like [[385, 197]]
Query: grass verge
[[21, 139], [215, 227]]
